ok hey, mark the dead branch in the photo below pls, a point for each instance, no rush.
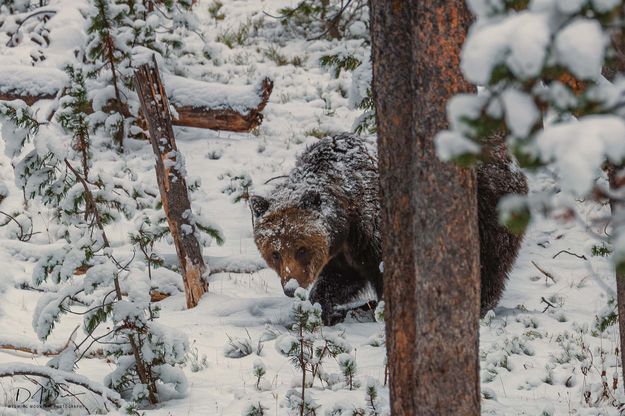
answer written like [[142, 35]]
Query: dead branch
[[23, 235], [546, 273], [171, 181], [549, 304], [568, 252], [12, 40], [157, 295], [275, 177]]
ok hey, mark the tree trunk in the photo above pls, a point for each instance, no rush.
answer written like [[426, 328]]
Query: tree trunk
[[172, 182], [616, 183], [429, 214]]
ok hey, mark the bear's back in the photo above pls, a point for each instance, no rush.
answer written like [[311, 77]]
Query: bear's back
[[344, 162]]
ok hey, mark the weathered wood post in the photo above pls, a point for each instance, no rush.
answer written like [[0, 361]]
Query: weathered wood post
[[170, 174]]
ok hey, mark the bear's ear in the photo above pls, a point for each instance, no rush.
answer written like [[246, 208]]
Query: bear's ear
[[259, 205], [311, 199]]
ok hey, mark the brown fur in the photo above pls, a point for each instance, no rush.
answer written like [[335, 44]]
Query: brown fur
[[329, 205], [291, 262]]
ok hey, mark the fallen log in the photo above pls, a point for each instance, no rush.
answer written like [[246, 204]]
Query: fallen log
[[199, 104], [217, 106], [17, 345], [30, 84]]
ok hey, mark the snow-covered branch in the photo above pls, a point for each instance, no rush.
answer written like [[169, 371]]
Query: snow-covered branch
[[61, 377]]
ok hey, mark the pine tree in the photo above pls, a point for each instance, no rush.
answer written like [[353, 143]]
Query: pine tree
[[122, 35], [61, 172], [429, 221], [85, 204], [108, 49], [307, 347], [324, 18]]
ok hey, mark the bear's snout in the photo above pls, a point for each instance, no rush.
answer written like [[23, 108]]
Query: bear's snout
[[290, 286]]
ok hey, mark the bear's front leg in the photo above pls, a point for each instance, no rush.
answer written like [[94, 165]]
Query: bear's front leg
[[335, 287]]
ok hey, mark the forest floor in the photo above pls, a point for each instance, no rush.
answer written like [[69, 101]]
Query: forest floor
[[541, 350]]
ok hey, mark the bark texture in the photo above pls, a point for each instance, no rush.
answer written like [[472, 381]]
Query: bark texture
[[171, 181], [225, 119], [429, 210]]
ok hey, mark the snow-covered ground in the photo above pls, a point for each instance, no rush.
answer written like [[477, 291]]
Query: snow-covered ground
[[538, 357]]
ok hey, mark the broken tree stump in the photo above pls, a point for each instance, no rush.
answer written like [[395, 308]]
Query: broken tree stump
[[171, 181], [199, 104]]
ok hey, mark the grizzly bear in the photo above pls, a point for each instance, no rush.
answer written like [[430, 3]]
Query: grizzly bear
[[321, 225]]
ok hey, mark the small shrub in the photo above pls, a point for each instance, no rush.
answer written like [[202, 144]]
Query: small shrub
[[254, 409], [348, 367], [259, 371], [231, 38], [238, 347], [195, 362], [215, 10], [274, 55]]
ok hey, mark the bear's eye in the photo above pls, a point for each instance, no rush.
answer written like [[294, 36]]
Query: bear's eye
[[301, 252], [275, 256]]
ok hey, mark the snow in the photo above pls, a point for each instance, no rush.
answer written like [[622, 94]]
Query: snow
[[579, 47], [189, 92], [600, 136], [450, 145], [60, 376], [604, 5], [521, 112], [31, 80], [520, 42], [532, 360]]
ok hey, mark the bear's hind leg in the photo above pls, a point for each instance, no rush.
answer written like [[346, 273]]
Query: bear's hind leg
[[498, 246]]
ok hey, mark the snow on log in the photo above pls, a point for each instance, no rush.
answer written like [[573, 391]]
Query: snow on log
[[29, 83], [37, 348], [200, 104], [217, 106], [170, 174], [48, 349]]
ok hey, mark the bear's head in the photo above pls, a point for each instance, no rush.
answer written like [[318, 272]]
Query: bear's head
[[292, 238]]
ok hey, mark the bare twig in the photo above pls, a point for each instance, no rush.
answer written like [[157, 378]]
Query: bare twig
[[568, 252], [546, 273], [549, 304], [23, 236], [275, 177]]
